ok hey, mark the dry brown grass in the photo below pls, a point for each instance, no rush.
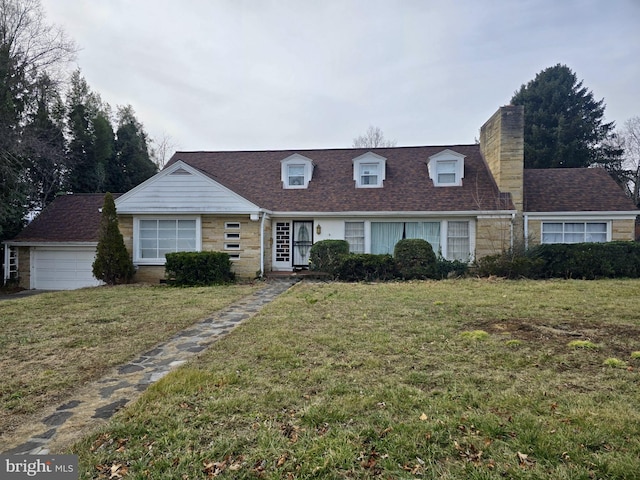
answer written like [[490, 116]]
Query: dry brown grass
[[54, 342]]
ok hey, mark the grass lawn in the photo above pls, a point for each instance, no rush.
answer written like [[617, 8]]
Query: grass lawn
[[470, 379], [53, 342]]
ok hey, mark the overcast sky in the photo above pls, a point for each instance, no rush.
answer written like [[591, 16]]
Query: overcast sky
[[288, 74]]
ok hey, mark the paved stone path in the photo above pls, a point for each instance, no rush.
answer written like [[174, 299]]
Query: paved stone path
[[95, 403]]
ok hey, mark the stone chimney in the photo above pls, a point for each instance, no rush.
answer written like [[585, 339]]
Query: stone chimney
[[502, 146]]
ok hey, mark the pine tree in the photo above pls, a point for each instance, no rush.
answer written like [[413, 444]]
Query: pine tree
[[112, 264], [563, 123]]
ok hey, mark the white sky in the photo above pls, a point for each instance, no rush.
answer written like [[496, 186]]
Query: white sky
[[287, 74]]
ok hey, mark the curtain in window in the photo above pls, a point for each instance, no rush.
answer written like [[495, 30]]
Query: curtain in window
[[458, 241], [385, 235], [552, 232], [596, 232], [573, 232], [354, 235], [429, 231]]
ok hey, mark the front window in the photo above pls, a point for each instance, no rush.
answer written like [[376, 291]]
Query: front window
[[458, 245], [385, 235], [446, 172], [369, 174], [296, 175], [574, 232], [157, 237], [354, 235]]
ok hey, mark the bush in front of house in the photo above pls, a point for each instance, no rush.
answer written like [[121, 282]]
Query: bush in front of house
[[191, 269], [450, 268], [589, 260], [366, 267], [112, 264], [415, 259], [326, 255]]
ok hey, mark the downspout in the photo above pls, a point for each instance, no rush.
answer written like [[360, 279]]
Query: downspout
[[526, 231], [5, 273], [262, 222], [513, 221]]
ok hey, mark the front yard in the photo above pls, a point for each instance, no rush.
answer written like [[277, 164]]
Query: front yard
[[451, 379], [52, 343], [455, 379]]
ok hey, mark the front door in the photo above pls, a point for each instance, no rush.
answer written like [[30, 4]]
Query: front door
[[302, 241]]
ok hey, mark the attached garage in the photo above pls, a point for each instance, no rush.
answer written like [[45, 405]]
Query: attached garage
[[59, 268]]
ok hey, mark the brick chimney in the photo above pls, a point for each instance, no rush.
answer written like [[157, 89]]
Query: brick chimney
[[502, 146]]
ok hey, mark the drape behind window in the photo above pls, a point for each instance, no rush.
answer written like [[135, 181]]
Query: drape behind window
[[429, 231], [458, 241], [385, 235]]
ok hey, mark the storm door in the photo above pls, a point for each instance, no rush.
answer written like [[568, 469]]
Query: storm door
[[302, 241]]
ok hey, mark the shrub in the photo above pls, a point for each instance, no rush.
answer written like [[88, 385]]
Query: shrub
[[112, 264], [326, 255], [357, 267], [198, 268], [589, 260], [509, 265], [415, 259], [446, 268]]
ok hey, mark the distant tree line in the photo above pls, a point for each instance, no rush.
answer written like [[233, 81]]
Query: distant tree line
[[56, 135]]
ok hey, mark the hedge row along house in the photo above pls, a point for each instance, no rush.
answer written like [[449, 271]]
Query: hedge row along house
[[266, 208]]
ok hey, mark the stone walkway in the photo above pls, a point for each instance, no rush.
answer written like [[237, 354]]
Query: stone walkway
[[95, 403]]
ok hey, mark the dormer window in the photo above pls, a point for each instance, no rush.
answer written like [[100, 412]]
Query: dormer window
[[369, 170], [446, 168], [296, 171]]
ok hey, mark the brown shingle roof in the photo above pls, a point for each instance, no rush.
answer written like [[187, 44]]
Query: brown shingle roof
[[69, 218], [573, 190], [407, 187]]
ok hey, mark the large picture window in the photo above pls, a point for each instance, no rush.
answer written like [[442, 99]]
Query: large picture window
[[157, 237], [574, 232], [385, 235]]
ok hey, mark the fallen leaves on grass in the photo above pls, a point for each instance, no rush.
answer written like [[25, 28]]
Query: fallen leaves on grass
[[113, 471], [214, 469], [524, 461]]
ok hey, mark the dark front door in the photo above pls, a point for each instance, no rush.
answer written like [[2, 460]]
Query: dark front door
[[302, 241]]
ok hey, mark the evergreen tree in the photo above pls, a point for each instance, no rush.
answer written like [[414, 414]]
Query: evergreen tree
[[112, 264], [91, 138], [133, 163], [563, 123]]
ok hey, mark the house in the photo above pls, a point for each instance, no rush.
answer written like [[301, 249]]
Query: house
[[266, 208]]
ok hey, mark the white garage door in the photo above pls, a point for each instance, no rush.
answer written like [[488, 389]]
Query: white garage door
[[62, 268]]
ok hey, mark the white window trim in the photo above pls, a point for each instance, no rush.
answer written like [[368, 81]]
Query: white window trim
[[296, 160], [565, 221], [138, 260], [446, 156], [369, 158]]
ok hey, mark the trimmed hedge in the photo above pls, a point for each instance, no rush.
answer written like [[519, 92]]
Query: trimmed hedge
[[326, 255], [357, 267], [190, 269], [577, 260], [589, 260], [415, 259]]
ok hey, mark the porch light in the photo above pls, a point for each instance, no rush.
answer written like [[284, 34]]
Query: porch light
[[318, 229]]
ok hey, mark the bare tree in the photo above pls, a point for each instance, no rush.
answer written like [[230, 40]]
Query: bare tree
[[32, 44], [161, 149], [372, 138], [630, 140]]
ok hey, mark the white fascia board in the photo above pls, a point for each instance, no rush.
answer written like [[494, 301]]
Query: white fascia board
[[179, 164], [615, 215], [10, 243], [437, 213]]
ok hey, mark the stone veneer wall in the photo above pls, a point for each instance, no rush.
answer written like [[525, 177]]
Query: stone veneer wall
[[502, 146], [493, 236], [24, 267], [213, 239]]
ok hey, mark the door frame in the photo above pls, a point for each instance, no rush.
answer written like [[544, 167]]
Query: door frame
[[307, 243]]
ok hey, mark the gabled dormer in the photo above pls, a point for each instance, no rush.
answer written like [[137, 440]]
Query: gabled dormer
[[369, 170], [446, 169], [296, 171]]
